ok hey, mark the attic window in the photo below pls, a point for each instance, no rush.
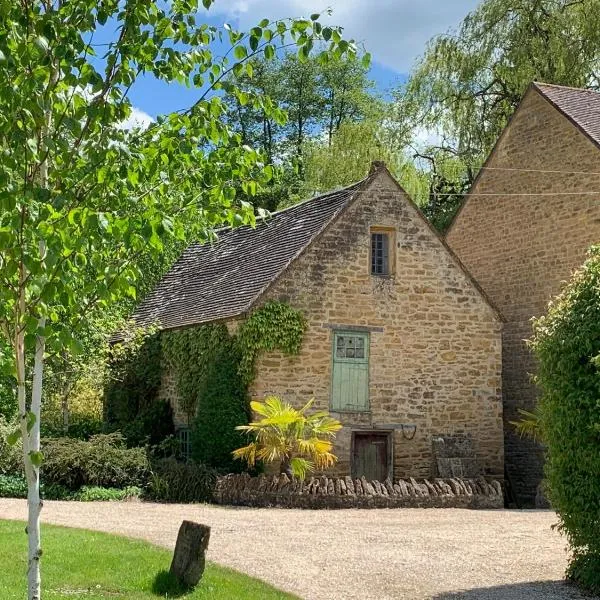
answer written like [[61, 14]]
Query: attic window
[[381, 258]]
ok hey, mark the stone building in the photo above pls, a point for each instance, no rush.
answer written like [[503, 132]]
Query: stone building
[[526, 224], [401, 344]]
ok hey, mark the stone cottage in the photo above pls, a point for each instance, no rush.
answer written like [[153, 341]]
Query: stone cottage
[[401, 344], [526, 224]]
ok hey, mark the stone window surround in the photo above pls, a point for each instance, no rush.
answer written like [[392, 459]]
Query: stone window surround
[[391, 248]]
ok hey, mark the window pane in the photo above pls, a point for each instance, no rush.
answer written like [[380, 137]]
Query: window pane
[[379, 254]]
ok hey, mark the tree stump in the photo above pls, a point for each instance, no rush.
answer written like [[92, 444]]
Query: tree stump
[[189, 557]]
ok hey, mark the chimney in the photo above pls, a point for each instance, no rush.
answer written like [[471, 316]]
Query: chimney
[[376, 165]]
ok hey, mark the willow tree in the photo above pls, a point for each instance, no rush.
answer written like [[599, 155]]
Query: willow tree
[[469, 82], [82, 198]]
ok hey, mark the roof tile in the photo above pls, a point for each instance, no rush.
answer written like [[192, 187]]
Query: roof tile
[[581, 106], [223, 279]]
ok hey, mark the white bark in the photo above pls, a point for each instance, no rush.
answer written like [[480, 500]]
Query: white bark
[[34, 503], [31, 441]]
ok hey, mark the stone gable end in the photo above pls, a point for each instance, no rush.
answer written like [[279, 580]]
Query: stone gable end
[[520, 242], [435, 342]]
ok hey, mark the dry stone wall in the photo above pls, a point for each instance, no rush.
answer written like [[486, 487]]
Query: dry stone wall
[[345, 492]]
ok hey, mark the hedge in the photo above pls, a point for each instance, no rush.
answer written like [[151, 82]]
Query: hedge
[[566, 343]]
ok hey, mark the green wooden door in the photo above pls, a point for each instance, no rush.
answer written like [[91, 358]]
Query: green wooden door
[[350, 381], [370, 456]]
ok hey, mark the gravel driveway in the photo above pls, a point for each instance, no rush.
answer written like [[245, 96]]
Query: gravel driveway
[[384, 554]]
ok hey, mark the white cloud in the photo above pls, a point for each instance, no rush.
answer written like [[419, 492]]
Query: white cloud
[[137, 118], [394, 31]]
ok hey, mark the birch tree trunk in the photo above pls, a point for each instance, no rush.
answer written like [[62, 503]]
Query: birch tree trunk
[[30, 434], [34, 503]]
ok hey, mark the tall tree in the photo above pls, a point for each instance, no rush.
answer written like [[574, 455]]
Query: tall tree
[[348, 94], [82, 199], [468, 83], [346, 158], [316, 98]]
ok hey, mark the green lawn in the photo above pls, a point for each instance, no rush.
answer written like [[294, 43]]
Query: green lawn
[[90, 565]]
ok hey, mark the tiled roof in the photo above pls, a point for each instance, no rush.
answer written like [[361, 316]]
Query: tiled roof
[[223, 279], [581, 106]]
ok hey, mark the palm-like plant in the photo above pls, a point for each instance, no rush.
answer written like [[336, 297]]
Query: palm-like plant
[[299, 441], [529, 425]]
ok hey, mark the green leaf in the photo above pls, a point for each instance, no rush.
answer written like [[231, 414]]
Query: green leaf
[[269, 51], [14, 437], [31, 419], [36, 457], [240, 52], [42, 43]]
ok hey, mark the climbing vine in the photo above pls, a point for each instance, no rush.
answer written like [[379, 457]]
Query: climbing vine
[[274, 326], [190, 353], [131, 404], [213, 370]]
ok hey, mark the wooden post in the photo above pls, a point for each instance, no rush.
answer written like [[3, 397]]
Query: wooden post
[[189, 557]]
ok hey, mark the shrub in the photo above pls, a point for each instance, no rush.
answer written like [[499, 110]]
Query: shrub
[[173, 481], [11, 457], [84, 401], [152, 425], [8, 403], [101, 494], [222, 406], [566, 343], [15, 486], [104, 461], [81, 426]]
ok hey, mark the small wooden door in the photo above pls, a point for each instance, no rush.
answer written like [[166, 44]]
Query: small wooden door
[[371, 456]]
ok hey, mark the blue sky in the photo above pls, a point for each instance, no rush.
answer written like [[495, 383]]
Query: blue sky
[[394, 31]]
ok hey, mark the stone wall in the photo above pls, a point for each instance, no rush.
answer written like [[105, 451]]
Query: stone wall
[[344, 492], [521, 248], [435, 343]]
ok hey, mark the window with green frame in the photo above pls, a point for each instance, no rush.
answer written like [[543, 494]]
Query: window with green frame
[[350, 380]]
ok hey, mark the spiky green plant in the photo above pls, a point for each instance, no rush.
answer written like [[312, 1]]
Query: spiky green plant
[[529, 423], [299, 441]]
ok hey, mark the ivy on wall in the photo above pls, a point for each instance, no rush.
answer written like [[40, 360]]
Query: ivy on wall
[[213, 370], [274, 326], [130, 395], [190, 353]]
